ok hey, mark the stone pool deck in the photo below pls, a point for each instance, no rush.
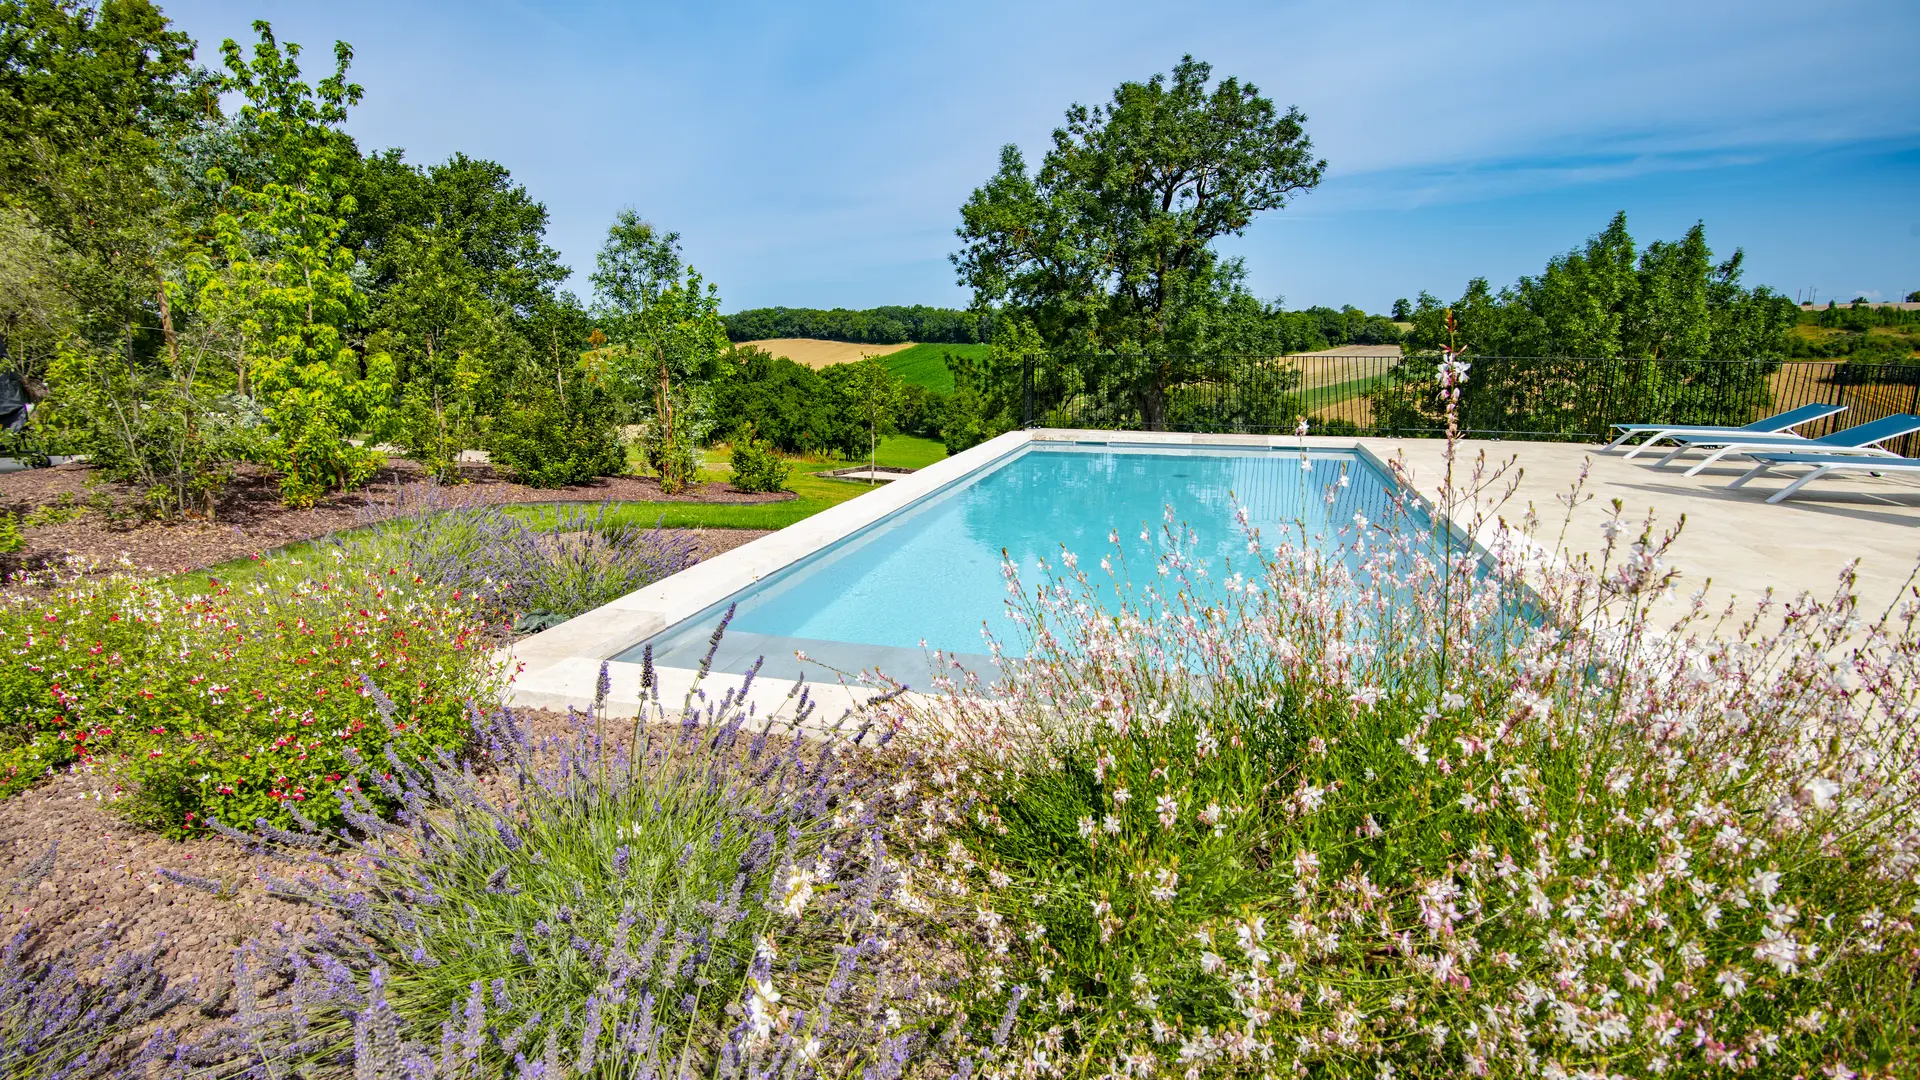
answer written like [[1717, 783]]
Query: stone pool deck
[[1734, 544]]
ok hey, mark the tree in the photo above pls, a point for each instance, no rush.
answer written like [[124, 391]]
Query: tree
[[668, 336], [1402, 311], [90, 95], [871, 396], [282, 268], [1109, 244], [786, 403], [460, 273], [469, 206], [1684, 340]]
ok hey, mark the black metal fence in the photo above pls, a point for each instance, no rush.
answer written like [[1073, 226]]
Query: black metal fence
[[1505, 397]]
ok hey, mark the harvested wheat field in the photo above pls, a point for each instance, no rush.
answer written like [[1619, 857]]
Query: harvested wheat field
[[817, 354]]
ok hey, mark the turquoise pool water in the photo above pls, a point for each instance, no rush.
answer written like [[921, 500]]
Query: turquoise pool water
[[929, 576]]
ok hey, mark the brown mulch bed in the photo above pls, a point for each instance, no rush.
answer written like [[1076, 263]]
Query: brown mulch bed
[[105, 873], [105, 876], [251, 519]]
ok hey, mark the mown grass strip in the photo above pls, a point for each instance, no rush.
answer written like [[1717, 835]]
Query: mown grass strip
[[813, 492]]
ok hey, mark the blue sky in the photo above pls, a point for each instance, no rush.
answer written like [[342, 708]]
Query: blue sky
[[816, 155]]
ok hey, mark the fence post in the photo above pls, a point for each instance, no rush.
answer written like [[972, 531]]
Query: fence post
[[1913, 407], [1026, 386], [1606, 400]]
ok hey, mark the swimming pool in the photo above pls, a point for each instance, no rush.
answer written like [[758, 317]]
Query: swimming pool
[[929, 575]]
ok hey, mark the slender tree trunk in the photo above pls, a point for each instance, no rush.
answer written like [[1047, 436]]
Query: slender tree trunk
[[166, 326]]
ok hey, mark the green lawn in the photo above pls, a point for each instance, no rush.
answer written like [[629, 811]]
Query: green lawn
[[814, 493], [925, 364], [909, 452], [1323, 397]]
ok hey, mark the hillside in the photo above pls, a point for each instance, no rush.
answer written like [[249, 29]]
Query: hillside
[[816, 353], [925, 364], [922, 364]]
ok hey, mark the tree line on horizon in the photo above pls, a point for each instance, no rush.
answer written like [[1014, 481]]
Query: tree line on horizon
[[1302, 330]]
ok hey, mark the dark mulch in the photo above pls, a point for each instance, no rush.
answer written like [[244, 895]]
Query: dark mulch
[[105, 875], [105, 872], [251, 519]]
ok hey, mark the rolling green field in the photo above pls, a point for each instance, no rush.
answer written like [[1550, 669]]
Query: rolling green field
[[923, 365]]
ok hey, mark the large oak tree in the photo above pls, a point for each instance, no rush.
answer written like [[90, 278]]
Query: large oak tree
[[1109, 245]]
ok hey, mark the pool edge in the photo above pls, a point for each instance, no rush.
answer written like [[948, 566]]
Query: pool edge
[[559, 667]]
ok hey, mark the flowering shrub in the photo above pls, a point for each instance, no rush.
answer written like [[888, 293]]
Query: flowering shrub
[[235, 702], [540, 570], [703, 898], [1363, 818]]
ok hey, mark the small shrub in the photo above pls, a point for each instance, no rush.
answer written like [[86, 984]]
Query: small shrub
[[238, 701], [174, 439], [558, 565], [964, 424], [434, 428], [313, 455], [670, 456], [548, 442], [708, 897], [11, 539], [757, 466]]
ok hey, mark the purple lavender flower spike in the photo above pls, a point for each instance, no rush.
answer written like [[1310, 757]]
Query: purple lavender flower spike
[[475, 1016], [713, 643]]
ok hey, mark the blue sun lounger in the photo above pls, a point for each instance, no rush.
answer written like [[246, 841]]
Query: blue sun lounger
[[1823, 465], [1861, 439], [1772, 425]]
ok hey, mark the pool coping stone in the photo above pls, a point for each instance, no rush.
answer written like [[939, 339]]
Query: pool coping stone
[[559, 668]]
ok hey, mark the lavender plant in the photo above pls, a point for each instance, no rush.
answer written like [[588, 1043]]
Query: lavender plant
[[704, 894], [1349, 822], [93, 1009], [572, 560]]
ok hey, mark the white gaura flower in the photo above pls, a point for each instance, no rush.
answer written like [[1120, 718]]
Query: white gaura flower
[[1779, 950], [1120, 796], [763, 1009], [1168, 809], [796, 892], [1086, 828], [1819, 792], [1166, 885], [1732, 983]]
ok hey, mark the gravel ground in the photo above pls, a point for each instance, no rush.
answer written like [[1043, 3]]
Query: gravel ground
[[104, 874], [251, 519]]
